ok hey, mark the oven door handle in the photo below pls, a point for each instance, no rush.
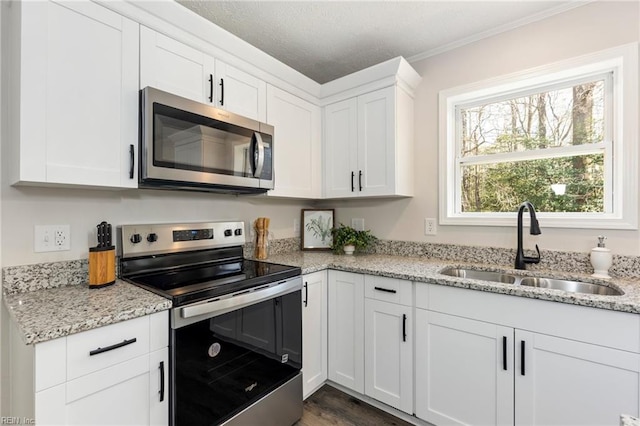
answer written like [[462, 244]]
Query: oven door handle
[[241, 299]]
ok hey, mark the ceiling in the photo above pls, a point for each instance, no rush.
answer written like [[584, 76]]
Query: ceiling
[[325, 40]]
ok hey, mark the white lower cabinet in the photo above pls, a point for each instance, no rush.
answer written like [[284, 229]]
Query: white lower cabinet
[[460, 371], [388, 344], [346, 329], [475, 372], [314, 332], [564, 382], [117, 374]]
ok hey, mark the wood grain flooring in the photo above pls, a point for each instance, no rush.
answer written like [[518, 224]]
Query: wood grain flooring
[[330, 407]]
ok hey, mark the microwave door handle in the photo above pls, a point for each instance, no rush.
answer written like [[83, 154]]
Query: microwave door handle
[[259, 150]]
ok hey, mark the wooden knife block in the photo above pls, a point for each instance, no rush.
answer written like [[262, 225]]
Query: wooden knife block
[[102, 266]]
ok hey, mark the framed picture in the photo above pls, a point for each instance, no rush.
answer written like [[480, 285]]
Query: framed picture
[[316, 229]]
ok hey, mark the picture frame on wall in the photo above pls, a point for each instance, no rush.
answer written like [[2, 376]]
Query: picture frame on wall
[[315, 231]]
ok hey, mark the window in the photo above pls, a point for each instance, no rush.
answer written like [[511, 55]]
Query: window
[[562, 137]]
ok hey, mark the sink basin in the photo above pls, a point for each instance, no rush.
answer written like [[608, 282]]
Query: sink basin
[[572, 286], [540, 282], [479, 275]]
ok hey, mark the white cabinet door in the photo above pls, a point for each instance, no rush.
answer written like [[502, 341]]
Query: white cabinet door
[[297, 151], [369, 145], [314, 332], [346, 329], [388, 352], [564, 382], [78, 95], [174, 67], [240, 93], [159, 387], [341, 149], [376, 142], [464, 371]]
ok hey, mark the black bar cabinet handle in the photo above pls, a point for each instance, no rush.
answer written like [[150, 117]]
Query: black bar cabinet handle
[[131, 161], [522, 357], [386, 290], [353, 188], [306, 294], [360, 179], [211, 88], [404, 327], [112, 347], [222, 91], [161, 391], [504, 353]]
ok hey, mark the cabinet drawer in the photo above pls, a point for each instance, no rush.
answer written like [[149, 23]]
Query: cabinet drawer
[[388, 290], [102, 347]]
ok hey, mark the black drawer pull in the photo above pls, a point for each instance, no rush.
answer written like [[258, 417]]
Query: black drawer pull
[[161, 392], [522, 357], [504, 353], [352, 176], [112, 347], [360, 179], [404, 327], [306, 294], [222, 91], [386, 290], [211, 88], [131, 161]]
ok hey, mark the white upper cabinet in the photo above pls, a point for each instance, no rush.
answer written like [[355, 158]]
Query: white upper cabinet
[[297, 149], [174, 67], [369, 145], [240, 93], [73, 94]]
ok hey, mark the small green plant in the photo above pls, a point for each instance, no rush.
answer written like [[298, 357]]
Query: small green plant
[[346, 235]]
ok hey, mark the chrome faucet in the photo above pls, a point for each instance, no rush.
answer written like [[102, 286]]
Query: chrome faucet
[[521, 259]]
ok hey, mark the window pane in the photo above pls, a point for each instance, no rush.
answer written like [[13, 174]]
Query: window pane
[[502, 187], [554, 118]]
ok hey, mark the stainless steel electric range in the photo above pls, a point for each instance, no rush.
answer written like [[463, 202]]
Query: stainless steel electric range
[[235, 326]]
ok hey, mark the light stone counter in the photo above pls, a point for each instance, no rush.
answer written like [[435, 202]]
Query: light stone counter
[[629, 421], [48, 313], [422, 269]]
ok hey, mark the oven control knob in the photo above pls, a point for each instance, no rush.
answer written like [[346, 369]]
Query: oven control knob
[[238, 231], [135, 238], [152, 237], [227, 232]]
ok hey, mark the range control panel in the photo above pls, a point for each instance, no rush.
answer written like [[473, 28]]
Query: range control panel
[[144, 239]]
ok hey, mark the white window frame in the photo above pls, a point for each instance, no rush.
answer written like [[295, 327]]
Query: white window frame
[[621, 186]]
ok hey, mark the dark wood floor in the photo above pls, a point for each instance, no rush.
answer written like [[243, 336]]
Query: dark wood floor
[[329, 406]]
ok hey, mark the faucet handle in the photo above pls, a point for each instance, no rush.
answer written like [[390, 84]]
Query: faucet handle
[[533, 259]]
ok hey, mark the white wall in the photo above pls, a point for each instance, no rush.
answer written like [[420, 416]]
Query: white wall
[[25, 207], [595, 26]]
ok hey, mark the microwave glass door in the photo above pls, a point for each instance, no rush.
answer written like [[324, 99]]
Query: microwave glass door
[[187, 141]]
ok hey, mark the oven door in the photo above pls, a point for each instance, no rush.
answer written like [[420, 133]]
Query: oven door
[[192, 144], [244, 348]]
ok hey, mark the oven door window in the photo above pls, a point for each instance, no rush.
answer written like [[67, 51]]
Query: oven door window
[[187, 141], [226, 363]]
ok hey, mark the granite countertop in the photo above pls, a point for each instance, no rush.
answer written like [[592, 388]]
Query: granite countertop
[[47, 314], [422, 269], [626, 420]]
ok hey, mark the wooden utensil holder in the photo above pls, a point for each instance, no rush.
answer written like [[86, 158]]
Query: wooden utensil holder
[[102, 266]]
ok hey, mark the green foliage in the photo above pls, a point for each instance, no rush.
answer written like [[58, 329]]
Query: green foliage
[[346, 235]]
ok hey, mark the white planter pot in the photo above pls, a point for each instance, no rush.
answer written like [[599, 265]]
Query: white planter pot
[[349, 249]]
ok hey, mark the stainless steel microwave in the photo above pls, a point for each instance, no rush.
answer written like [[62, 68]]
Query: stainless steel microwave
[[185, 144]]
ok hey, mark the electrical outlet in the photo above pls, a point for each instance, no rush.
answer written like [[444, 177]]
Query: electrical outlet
[[357, 224], [430, 226], [52, 238], [296, 227]]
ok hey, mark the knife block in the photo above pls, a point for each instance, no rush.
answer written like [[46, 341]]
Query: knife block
[[102, 266]]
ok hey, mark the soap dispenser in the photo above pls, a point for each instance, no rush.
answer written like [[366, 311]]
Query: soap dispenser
[[601, 259]]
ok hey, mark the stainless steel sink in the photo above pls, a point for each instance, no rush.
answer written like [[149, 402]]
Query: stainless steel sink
[[540, 282], [571, 286], [474, 274]]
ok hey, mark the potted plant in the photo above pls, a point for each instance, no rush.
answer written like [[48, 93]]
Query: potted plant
[[347, 239]]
